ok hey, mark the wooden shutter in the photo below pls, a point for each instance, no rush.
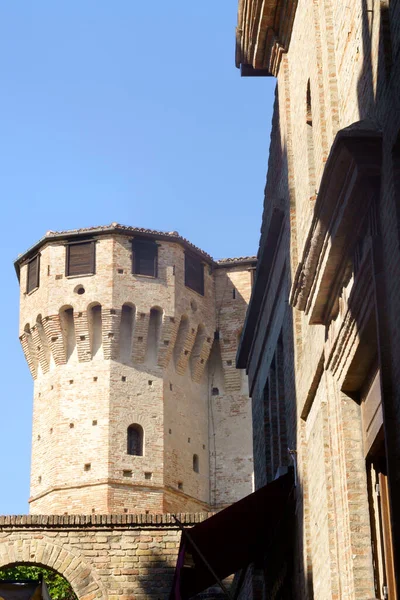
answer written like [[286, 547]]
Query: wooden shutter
[[81, 258], [33, 274], [145, 258], [194, 274]]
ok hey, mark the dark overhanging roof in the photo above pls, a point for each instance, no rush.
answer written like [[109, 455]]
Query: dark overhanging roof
[[117, 228], [241, 534]]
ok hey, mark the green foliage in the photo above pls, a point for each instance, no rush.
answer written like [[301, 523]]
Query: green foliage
[[59, 588]]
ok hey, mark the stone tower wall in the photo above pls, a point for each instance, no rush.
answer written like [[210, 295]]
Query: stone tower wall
[[131, 350], [231, 455]]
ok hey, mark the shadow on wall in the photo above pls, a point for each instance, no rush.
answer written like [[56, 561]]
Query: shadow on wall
[[272, 377], [154, 577]]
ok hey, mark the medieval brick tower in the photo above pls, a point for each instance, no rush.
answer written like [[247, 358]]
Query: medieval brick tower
[[131, 336]]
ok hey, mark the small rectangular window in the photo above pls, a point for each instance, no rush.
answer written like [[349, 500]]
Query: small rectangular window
[[32, 281], [194, 273], [80, 259], [144, 258]]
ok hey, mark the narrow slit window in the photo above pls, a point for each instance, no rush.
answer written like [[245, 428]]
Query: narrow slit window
[[196, 466], [135, 440], [194, 274], [80, 259], [32, 281], [144, 258]]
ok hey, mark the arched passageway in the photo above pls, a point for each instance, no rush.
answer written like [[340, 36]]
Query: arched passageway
[[36, 550]]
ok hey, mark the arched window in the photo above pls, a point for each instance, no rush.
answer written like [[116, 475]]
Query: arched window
[[135, 440], [195, 463]]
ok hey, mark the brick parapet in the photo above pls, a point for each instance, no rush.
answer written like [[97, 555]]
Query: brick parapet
[[120, 521]]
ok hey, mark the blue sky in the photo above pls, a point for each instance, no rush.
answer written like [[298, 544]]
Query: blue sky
[[120, 111]]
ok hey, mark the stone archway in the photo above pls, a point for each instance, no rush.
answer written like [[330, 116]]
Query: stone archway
[[40, 550]]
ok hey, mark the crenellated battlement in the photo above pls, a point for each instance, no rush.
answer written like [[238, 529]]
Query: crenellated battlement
[[122, 334]]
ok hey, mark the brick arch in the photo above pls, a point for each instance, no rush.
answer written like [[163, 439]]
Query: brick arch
[[140, 418], [63, 559]]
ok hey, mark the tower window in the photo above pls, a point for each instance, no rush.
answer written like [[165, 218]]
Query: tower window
[[32, 281], [80, 259], [194, 273], [196, 463], [144, 257], [135, 440]]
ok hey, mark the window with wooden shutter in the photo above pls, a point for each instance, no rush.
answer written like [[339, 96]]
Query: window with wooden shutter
[[80, 258], [32, 281], [144, 254], [194, 274], [378, 491]]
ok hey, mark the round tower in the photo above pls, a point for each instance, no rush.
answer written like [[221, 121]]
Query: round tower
[[117, 325]]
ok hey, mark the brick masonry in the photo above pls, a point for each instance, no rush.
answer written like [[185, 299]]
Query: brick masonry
[[118, 557], [340, 271], [129, 349]]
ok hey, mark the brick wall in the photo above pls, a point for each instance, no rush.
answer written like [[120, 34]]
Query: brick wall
[[341, 51], [114, 556]]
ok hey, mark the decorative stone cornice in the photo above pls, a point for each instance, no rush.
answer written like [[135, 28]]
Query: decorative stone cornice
[[350, 180], [263, 34], [353, 324]]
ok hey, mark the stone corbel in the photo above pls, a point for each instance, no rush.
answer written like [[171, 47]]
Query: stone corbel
[[350, 180]]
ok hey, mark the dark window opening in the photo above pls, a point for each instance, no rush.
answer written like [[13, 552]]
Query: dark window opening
[[33, 274], [386, 37], [80, 259], [144, 258], [196, 467], [135, 440], [194, 274]]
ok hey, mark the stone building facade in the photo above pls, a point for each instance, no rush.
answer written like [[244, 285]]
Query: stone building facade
[[321, 342], [131, 337]]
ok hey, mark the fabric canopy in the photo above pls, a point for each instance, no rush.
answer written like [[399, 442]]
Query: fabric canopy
[[233, 538]]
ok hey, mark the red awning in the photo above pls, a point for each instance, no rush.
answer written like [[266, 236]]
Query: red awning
[[234, 538]]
